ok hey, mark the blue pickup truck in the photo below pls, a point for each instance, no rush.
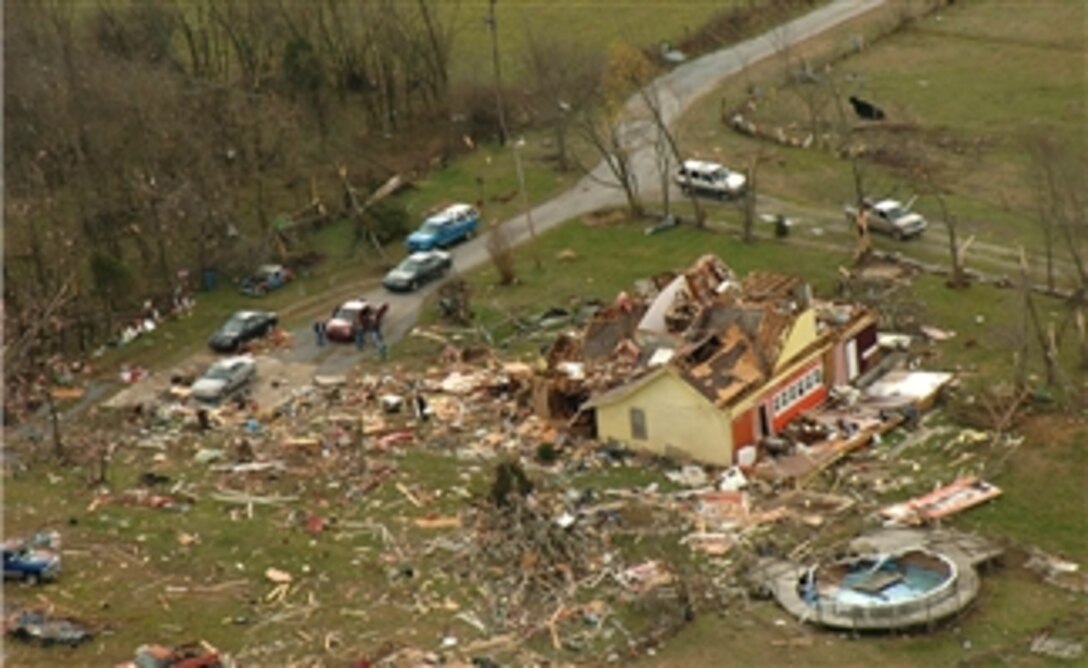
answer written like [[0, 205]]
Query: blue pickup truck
[[455, 223]]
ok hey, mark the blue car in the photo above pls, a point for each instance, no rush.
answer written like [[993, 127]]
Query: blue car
[[29, 564], [454, 223]]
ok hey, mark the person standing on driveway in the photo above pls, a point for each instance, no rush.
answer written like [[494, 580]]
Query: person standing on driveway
[[376, 329], [361, 327], [319, 332]]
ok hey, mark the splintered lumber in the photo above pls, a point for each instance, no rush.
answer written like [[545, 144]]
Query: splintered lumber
[[409, 495], [452, 522], [243, 499], [948, 500]]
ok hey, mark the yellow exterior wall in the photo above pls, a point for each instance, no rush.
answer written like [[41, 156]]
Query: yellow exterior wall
[[800, 336], [677, 418]]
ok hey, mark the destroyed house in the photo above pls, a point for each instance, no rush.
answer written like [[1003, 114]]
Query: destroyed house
[[748, 358]]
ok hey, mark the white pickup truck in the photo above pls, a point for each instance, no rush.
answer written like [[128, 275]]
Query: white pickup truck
[[890, 217]]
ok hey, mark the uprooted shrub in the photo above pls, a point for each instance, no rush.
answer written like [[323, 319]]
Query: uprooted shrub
[[520, 554], [387, 221], [454, 301], [547, 453], [510, 484]]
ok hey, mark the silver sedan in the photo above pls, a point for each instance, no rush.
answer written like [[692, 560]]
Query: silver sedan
[[224, 377]]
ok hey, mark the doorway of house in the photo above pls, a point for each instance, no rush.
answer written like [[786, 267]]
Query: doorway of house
[[764, 422]]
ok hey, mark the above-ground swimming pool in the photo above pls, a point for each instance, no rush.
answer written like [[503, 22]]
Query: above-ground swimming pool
[[896, 579], [889, 581]]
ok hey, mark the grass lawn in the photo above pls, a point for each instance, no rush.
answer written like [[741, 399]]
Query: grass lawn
[[962, 88], [352, 266], [996, 631], [126, 566], [129, 568], [589, 25], [600, 268]]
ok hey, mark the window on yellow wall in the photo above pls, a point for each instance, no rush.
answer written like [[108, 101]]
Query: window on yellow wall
[[638, 424]]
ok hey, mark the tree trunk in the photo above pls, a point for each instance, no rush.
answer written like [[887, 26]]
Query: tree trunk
[[750, 203], [958, 278], [1082, 338], [492, 24], [653, 104], [439, 59], [561, 144]]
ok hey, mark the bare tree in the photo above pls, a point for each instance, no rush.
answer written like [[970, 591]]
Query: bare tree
[[1082, 337], [500, 106], [845, 139], [436, 56], [599, 131], [815, 99], [929, 181], [564, 77], [1058, 175], [207, 54], [251, 35], [782, 38], [501, 253], [611, 128], [651, 98], [664, 161], [751, 192], [1044, 335]]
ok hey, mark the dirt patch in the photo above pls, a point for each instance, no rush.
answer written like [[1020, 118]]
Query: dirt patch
[[274, 383], [884, 272], [1053, 431], [604, 218]]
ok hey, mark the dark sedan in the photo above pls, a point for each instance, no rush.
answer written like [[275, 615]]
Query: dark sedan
[[417, 269], [241, 327]]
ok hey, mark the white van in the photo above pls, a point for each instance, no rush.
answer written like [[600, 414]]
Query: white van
[[710, 178]]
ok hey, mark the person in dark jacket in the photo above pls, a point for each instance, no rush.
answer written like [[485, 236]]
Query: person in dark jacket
[[366, 318], [376, 329]]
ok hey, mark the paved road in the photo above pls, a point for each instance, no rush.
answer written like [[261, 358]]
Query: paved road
[[676, 91]]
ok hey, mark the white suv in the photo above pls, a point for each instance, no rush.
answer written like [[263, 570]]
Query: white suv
[[710, 178]]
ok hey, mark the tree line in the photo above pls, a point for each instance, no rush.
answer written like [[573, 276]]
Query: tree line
[[146, 137], [139, 135], [149, 140]]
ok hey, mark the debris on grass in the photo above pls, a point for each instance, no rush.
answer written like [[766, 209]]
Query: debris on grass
[[44, 628], [948, 500], [1057, 648]]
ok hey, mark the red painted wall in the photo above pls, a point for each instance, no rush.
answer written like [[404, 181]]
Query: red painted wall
[[744, 429], [814, 399], [811, 401]]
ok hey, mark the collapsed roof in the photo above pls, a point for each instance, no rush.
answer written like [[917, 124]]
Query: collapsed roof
[[723, 335]]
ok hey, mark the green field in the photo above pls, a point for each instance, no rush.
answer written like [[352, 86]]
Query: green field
[[147, 586], [963, 88], [137, 573], [592, 24]]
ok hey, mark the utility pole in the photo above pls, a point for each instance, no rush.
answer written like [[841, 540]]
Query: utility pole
[[518, 145], [493, 26]]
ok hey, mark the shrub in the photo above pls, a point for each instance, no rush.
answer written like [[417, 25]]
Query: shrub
[[502, 255], [546, 453], [388, 221]]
